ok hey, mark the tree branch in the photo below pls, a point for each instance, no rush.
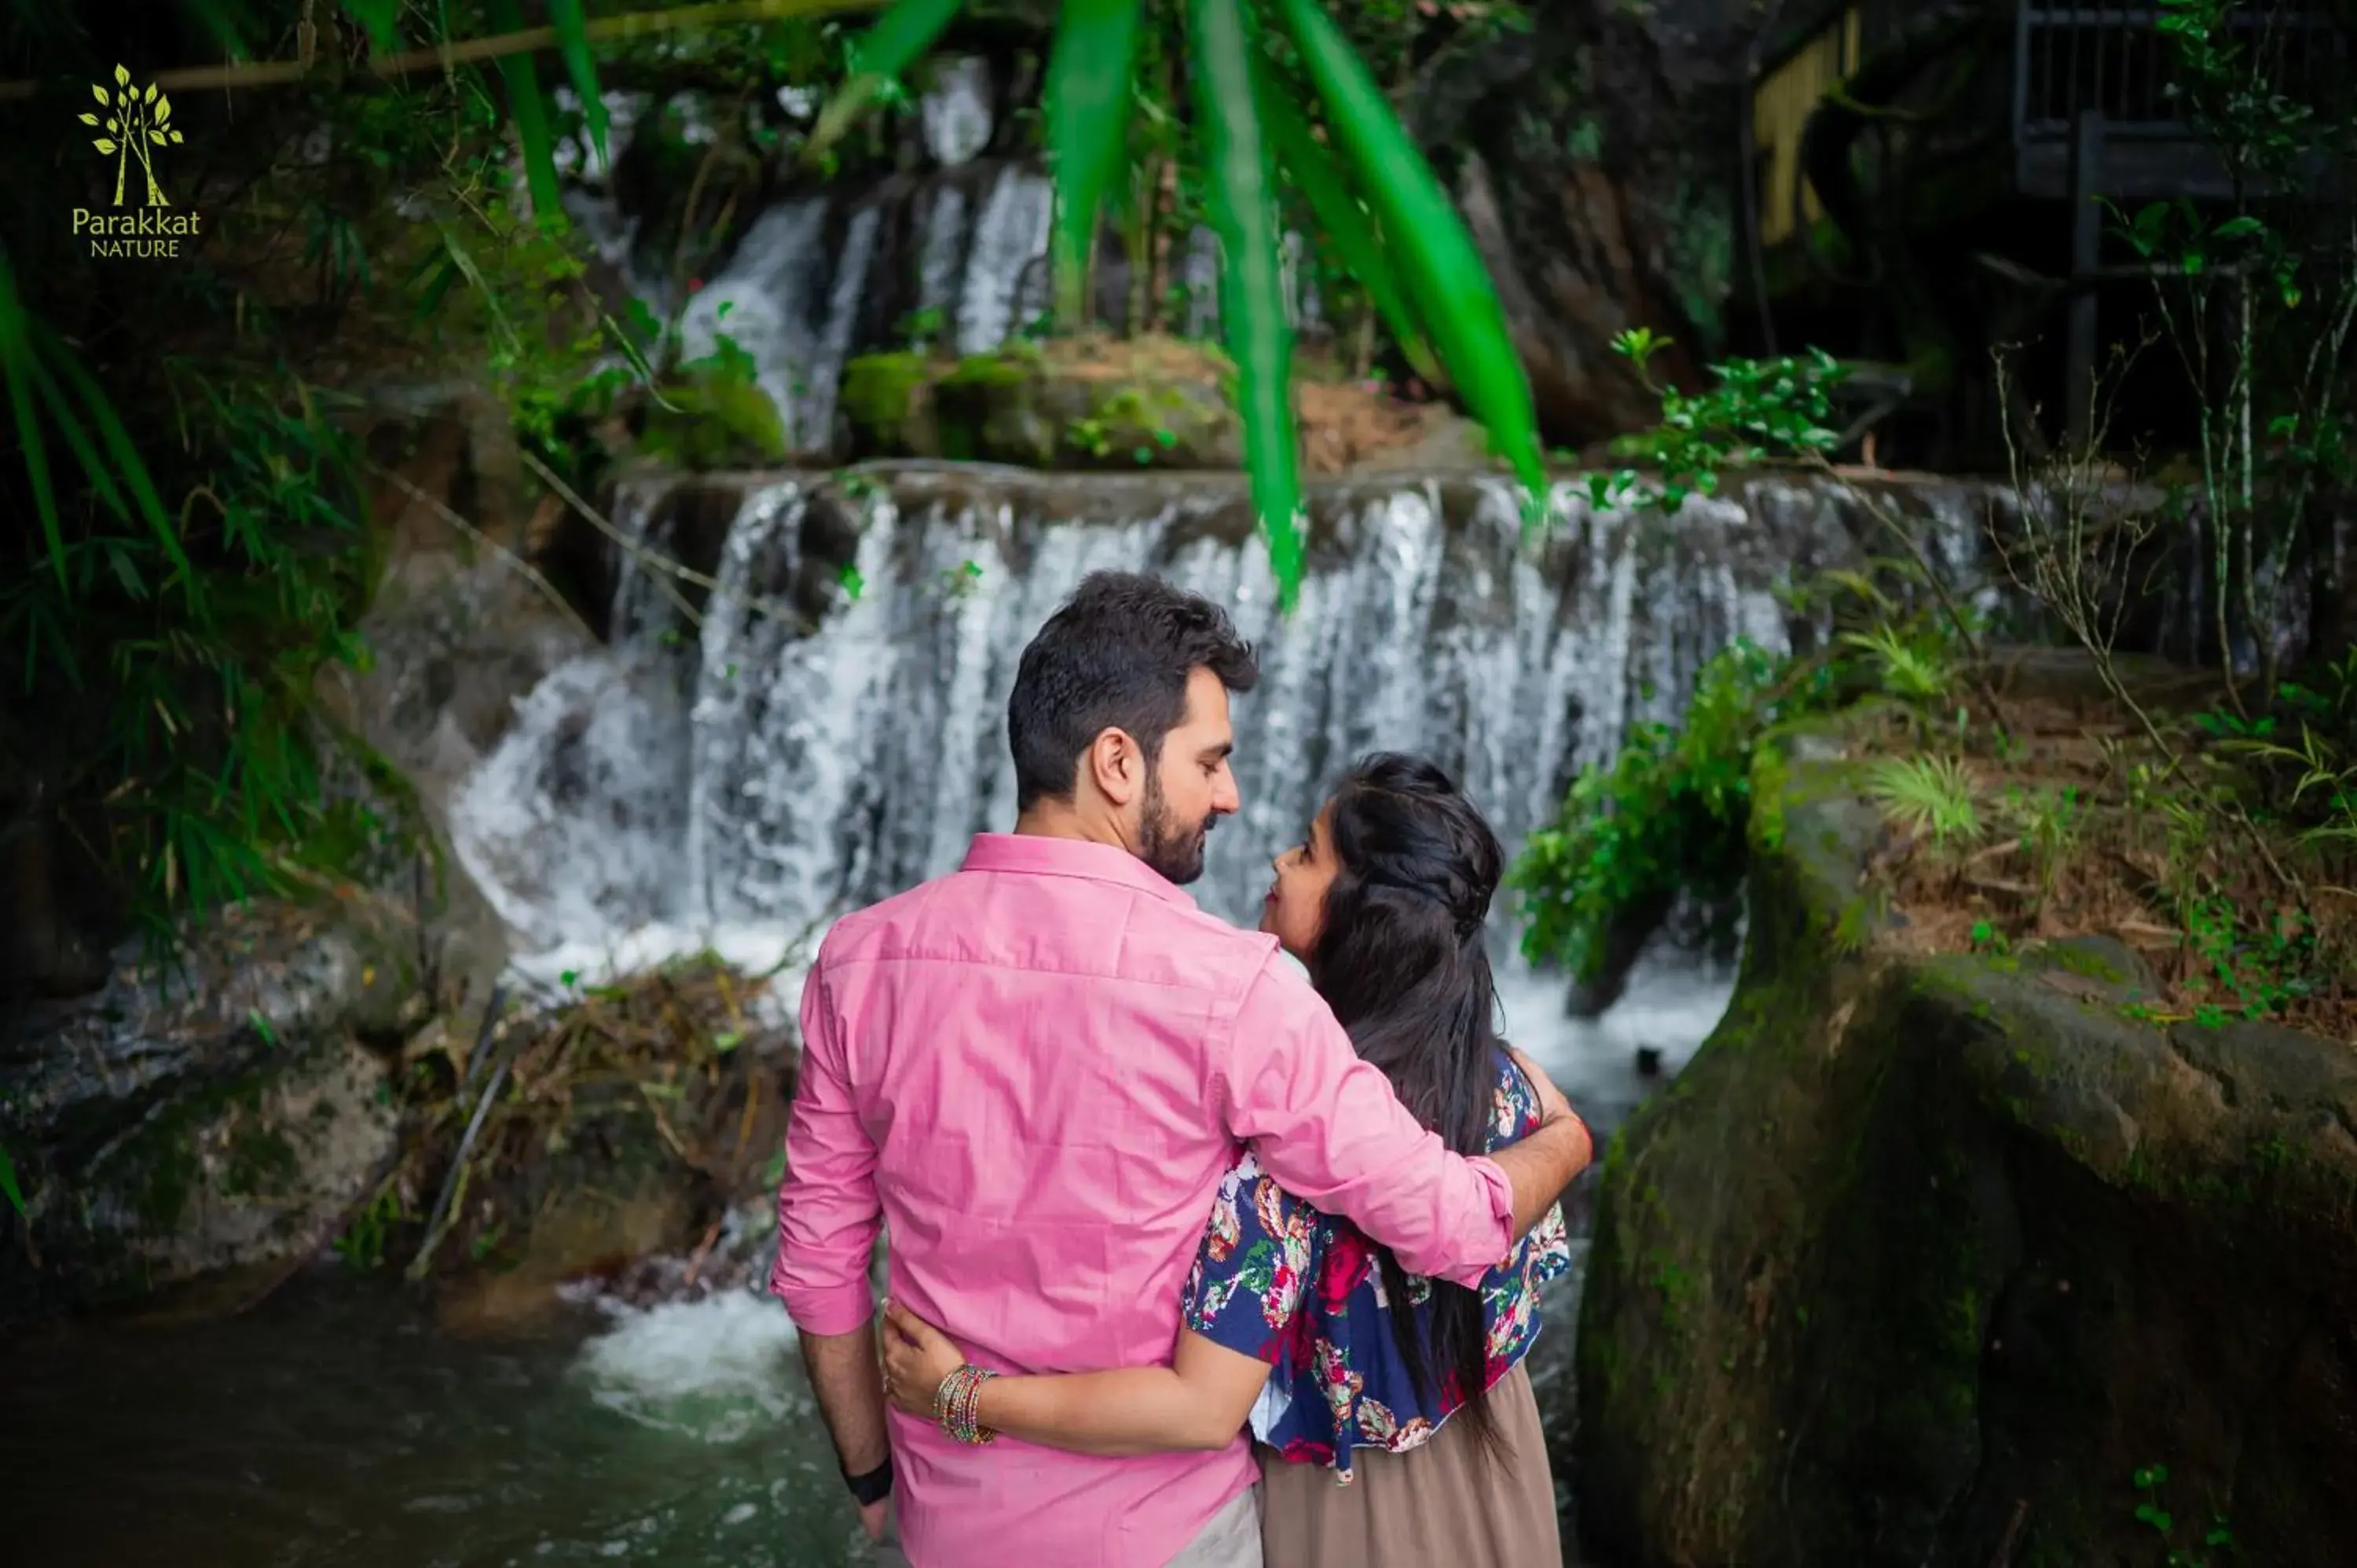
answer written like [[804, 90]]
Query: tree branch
[[443, 57]]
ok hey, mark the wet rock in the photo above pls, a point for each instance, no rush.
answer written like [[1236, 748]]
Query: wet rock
[[1924, 1256], [224, 1118]]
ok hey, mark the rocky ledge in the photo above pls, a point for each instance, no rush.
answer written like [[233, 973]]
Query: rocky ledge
[[1946, 1259]]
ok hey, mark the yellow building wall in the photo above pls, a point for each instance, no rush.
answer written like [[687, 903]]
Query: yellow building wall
[[1780, 108]]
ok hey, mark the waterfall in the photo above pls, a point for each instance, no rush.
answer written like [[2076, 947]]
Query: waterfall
[[808, 749], [824, 275]]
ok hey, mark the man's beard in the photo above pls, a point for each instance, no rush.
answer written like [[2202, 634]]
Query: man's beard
[[1173, 849]]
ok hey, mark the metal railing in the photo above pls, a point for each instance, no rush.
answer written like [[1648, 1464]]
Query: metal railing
[[2116, 61]]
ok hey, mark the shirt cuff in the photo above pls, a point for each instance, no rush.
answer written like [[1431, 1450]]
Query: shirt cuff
[[826, 1309]]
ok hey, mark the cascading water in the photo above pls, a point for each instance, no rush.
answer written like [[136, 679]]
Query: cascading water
[[823, 276], [827, 770]]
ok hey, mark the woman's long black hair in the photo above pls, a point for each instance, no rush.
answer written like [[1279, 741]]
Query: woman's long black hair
[[1401, 961]]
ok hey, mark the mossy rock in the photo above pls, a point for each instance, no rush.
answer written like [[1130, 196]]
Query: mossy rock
[[887, 404], [1926, 1255], [715, 422], [1092, 407], [226, 1121]]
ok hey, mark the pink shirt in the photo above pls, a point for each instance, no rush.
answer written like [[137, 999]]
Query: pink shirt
[[1035, 1071]]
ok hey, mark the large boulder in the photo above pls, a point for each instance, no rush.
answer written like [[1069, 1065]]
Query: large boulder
[[1924, 1258], [221, 1119]]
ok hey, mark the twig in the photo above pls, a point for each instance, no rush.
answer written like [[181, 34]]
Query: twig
[[2012, 1533], [445, 56], [532, 574], [454, 1185], [1977, 672]]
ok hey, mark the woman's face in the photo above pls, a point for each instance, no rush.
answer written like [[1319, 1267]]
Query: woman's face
[[1295, 910]]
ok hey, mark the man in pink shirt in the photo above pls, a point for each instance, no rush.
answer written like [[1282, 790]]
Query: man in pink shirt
[[1035, 1071]]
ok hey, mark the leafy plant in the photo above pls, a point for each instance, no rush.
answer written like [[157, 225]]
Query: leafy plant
[[2048, 823], [2150, 1512], [1757, 409], [1912, 669], [1423, 262], [1669, 813], [1929, 797]]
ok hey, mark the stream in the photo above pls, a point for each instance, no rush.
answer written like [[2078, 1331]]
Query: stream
[[336, 1424]]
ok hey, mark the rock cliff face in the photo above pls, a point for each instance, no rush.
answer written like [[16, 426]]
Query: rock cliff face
[[1921, 1260], [1596, 160]]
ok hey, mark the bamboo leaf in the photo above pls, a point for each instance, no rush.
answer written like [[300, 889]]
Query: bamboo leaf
[[898, 40], [1251, 278], [90, 119], [104, 144], [1438, 260], [122, 76], [127, 461], [1087, 123], [8, 1186], [531, 117], [573, 43], [100, 93], [15, 357], [1347, 225], [69, 426]]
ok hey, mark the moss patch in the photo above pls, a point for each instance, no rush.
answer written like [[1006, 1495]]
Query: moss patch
[[1920, 1238]]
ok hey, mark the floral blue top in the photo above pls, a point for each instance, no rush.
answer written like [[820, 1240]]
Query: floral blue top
[[1302, 1291]]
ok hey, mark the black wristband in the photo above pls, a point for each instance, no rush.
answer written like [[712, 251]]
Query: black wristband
[[874, 1487]]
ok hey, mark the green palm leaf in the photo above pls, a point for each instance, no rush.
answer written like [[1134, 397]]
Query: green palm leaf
[[898, 40], [1251, 291], [1087, 130], [33, 362], [1443, 269], [8, 1186], [531, 117], [1346, 223], [573, 43]]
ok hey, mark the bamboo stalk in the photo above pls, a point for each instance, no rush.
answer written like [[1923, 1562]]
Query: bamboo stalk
[[443, 57]]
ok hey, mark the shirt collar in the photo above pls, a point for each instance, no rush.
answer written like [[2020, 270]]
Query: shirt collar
[[1038, 854]]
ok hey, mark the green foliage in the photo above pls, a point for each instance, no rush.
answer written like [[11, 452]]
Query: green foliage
[[2217, 1542], [2258, 973], [202, 552], [1669, 813], [1914, 669], [1088, 106], [2048, 823], [1929, 797], [1759, 409], [1243, 215], [2255, 301]]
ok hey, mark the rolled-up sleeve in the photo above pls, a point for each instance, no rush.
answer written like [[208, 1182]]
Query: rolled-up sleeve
[[828, 1216], [1329, 1128]]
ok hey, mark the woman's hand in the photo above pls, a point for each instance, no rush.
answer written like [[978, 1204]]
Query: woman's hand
[[916, 1356]]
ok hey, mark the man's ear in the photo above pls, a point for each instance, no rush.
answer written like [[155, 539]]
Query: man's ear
[[1117, 764]]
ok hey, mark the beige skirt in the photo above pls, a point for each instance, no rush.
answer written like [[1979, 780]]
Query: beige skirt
[[1446, 1501]]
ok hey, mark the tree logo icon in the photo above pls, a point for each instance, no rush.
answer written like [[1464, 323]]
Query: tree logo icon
[[135, 124]]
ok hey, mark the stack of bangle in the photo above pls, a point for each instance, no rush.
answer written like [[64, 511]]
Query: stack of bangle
[[956, 1404]]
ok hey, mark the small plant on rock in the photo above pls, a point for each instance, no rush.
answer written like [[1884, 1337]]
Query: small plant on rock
[[1931, 798]]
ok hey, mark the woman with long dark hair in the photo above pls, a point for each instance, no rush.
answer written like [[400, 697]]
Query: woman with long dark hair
[[1396, 1420]]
